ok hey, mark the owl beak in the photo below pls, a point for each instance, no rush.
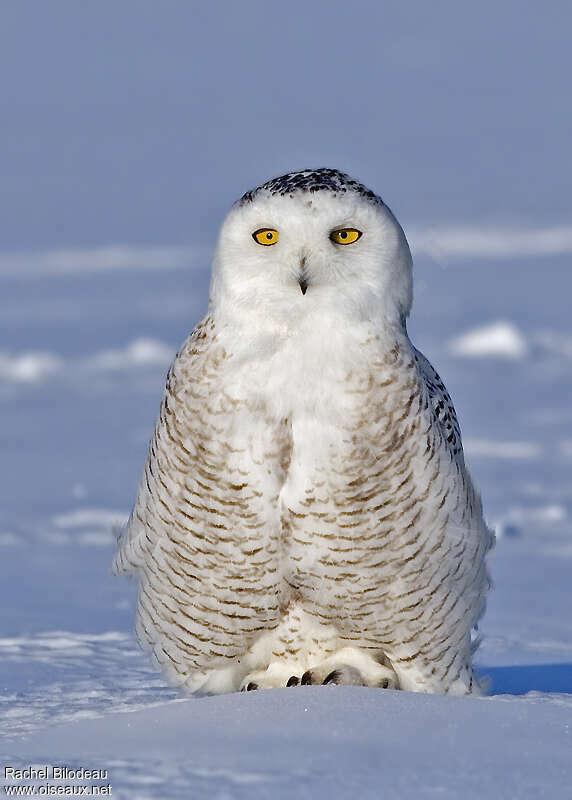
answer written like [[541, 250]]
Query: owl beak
[[302, 279]]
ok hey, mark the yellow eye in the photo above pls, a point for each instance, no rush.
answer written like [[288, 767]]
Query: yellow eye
[[265, 236], [345, 236]]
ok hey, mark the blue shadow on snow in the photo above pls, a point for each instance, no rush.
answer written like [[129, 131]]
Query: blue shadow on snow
[[555, 678]]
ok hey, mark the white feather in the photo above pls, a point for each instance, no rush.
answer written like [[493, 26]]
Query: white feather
[[305, 497]]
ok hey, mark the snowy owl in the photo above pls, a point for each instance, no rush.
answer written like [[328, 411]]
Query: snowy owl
[[305, 514]]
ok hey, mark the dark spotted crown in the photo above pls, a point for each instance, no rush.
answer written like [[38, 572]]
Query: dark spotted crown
[[312, 180]]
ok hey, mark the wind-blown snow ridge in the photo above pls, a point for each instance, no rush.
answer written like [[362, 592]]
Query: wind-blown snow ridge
[[485, 448], [85, 675], [547, 518], [52, 645], [556, 342], [498, 340], [139, 353], [542, 515], [89, 517], [101, 259], [490, 243], [80, 527], [29, 367], [85, 527], [37, 366]]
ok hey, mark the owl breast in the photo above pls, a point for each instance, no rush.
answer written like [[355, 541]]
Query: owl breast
[[294, 507], [348, 504], [380, 532]]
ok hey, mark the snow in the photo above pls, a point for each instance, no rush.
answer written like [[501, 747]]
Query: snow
[[484, 448], [38, 367], [82, 517], [95, 259], [559, 344], [141, 352], [29, 367], [315, 742], [498, 340], [114, 134], [461, 242]]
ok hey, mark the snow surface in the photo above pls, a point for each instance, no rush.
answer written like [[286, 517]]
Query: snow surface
[[113, 134], [501, 340], [326, 742], [74, 688]]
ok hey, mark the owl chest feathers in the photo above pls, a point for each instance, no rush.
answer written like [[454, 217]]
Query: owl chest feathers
[[301, 471], [343, 413]]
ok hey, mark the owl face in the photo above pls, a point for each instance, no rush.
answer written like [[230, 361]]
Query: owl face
[[310, 243]]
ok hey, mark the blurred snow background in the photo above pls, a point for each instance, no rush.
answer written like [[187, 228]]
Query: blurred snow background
[[128, 129]]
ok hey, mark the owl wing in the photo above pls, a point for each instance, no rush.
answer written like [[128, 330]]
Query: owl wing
[[151, 513], [203, 536], [442, 406], [442, 578]]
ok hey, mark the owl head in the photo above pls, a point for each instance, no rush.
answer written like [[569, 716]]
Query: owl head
[[311, 243]]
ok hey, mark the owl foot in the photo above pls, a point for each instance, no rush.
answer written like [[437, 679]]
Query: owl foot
[[344, 676], [276, 676], [351, 667]]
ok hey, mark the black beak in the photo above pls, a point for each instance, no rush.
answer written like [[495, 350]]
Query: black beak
[[303, 283]]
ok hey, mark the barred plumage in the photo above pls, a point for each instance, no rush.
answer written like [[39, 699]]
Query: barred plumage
[[305, 510]]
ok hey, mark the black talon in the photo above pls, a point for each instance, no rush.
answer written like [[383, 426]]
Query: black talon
[[250, 687], [293, 681], [384, 660], [334, 677], [384, 684], [306, 678]]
